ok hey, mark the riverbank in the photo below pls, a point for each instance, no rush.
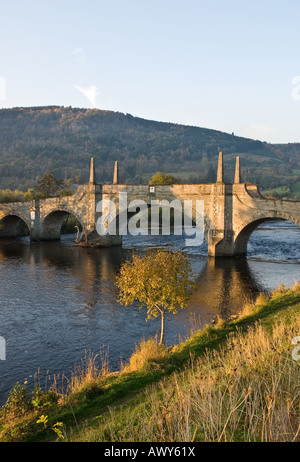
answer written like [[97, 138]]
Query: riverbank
[[232, 381]]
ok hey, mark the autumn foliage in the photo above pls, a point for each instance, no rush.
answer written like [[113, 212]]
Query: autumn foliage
[[160, 282]]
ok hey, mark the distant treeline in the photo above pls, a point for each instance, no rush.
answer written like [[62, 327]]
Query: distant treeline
[[37, 140], [48, 186]]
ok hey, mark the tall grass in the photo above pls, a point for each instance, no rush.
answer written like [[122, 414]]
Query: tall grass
[[148, 354], [247, 391], [244, 388], [85, 380]]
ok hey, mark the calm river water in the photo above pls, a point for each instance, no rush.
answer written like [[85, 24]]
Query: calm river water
[[58, 302]]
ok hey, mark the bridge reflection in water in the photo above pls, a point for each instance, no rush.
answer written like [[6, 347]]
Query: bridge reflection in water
[[58, 301], [59, 270]]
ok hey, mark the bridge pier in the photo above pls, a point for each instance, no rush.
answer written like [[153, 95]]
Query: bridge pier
[[93, 239], [230, 212], [226, 248], [221, 235]]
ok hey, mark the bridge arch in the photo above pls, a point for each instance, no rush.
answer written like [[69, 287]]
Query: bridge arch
[[138, 215], [14, 225], [53, 222], [242, 238]]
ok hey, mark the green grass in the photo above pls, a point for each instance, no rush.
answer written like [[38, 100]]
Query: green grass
[[154, 384], [292, 192]]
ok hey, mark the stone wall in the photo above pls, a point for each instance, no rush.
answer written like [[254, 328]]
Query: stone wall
[[231, 211]]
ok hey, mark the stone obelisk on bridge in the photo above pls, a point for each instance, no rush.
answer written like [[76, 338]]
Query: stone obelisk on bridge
[[231, 211]]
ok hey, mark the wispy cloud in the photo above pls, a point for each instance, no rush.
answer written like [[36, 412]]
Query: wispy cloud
[[296, 89], [79, 55], [90, 93]]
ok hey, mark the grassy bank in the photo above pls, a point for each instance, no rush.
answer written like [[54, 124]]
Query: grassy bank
[[232, 381]]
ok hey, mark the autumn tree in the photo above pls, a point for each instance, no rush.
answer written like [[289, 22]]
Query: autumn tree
[[49, 185], [160, 282], [163, 179]]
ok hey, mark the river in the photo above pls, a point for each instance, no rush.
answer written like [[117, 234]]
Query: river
[[58, 301]]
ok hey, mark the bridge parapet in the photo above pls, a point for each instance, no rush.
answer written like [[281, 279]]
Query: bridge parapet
[[231, 211]]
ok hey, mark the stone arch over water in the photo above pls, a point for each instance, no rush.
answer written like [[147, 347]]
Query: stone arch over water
[[14, 225], [245, 233], [150, 217], [53, 223]]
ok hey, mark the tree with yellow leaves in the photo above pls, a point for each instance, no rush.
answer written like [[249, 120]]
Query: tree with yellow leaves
[[161, 282]]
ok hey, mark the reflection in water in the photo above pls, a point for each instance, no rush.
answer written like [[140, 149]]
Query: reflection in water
[[223, 286], [58, 301]]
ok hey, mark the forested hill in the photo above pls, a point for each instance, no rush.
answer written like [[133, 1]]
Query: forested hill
[[34, 141]]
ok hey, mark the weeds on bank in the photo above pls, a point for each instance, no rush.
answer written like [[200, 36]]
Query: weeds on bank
[[245, 387], [148, 354], [25, 410], [248, 390]]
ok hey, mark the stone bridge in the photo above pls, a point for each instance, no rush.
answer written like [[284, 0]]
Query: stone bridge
[[230, 212]]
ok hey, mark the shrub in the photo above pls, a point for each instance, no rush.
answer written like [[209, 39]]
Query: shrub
[[262, 299], [42, 399], [146, 354], [18, 402]]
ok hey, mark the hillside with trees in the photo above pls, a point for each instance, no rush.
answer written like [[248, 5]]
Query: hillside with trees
[[38, 140]]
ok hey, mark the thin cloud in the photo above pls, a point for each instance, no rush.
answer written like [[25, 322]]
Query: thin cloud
[[90, 93], [79, 55]]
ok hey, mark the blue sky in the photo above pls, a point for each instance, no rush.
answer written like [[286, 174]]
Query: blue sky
[[229, 65]]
